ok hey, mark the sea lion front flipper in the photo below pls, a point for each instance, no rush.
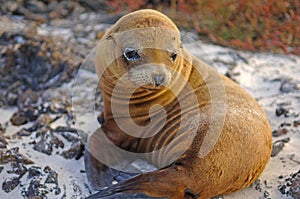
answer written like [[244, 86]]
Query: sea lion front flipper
[[101, 176], [98, 175]]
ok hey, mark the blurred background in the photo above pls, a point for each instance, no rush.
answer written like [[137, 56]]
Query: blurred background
[[43, 42], [264, 25]]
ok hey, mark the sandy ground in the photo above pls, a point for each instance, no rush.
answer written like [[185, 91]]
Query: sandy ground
[[272, 79]]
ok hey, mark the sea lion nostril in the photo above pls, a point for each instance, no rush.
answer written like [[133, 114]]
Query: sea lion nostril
[[158, 79]]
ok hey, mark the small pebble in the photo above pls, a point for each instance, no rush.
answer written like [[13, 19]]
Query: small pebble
[[278, 146], [296, 123], [281, 111], [279, 132]]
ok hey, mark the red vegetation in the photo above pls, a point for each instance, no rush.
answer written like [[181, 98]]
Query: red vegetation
[[264, 25]]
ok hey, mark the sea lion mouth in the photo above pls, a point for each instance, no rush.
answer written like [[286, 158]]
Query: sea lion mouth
[[151, 87]]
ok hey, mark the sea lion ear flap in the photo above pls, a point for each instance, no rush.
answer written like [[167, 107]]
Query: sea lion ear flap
[[105, 54]]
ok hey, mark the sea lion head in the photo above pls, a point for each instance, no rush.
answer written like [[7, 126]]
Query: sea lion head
[[143, 49]]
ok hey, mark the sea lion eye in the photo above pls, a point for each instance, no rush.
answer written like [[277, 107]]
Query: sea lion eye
[[131, 54], [173, 56]]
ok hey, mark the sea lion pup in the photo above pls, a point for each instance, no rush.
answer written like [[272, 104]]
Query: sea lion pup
[[208, 136]]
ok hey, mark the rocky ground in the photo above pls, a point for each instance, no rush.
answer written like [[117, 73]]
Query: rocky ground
[[48, 91]]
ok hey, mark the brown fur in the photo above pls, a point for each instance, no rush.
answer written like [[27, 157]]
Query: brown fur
[[242, 149]]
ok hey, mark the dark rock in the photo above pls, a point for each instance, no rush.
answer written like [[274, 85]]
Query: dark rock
[[57, 191], [37, 10], [282, 189], [280, 177], [2, 129], [76, 151], [38, 188], [69, 137], [30, 112], [266, 194], [278, 146], [24, 132], [10, 184], [281, 111], [17, 164], [289, 86], [44, 107], [18, 119], [8, 6], [35, 6], [232, 75], [96, 6], [31, 64], [3, 141], [34, 171], [29, 15], [43, 121], [296, 123], [47, 142], [52, 175], [28, 99], [13, 155], [291, 185], [285, 124], [295, 185], [24, 115], [62, 129], [266, 184], [60, 106], [279, 132], [35, 189], [12, 99], [52, 178], [70, 134], [18, 168], [257, 184]]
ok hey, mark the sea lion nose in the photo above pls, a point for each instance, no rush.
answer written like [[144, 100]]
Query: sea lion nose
[[158, 79]]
